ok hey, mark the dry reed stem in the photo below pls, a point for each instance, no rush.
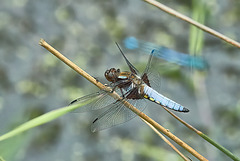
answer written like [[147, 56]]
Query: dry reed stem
[[166, 141], [195, 23]]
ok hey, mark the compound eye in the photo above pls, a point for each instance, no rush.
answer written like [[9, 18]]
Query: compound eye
[[107, 72], [113, 70], [110, 75]]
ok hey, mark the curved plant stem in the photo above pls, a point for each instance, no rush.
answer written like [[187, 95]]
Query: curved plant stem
[[166, 141], [205, 137], [127, 104], [191, 21]]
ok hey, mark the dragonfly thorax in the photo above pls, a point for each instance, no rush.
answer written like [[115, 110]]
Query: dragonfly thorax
[[136, 80], [114, 75]]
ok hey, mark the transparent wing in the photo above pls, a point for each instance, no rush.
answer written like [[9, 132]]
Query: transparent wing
[[155, 68], [131, 67], [151, 73], [116, 114], [95, 101], [155, 80]]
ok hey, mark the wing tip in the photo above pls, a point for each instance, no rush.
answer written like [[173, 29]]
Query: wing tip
[[74, 101]]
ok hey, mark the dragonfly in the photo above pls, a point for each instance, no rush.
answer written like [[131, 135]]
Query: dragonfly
[[165, 53], [132, 87]]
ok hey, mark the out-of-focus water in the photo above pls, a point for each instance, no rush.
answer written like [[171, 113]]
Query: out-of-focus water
[[33, 82]]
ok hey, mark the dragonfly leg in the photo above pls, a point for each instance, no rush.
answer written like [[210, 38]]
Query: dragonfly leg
[[96, 79], [113, 89], [123, 96]]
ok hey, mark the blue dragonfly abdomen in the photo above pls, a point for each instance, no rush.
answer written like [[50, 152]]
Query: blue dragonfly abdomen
[[158, 98], [167, 54]]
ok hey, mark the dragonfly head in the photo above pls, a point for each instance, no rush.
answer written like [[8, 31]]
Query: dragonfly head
[[112, 75]]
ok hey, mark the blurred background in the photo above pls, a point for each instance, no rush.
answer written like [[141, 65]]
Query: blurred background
[[34, 82]]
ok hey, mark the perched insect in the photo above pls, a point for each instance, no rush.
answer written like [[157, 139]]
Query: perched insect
[[133, 88]]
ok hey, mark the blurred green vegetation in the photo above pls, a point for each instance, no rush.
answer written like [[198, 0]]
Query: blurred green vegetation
[[85, 31]]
